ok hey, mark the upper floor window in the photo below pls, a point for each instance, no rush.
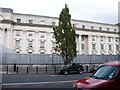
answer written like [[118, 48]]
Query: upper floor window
[[53, 36], [53, 44], [53, 23], [18, 32], [100, 28], [116, 39], [107, 29], [30, 42], [102, 38], [30, 21], [18, 20], [115, 30], [117, 47], [93, 46], [102, 46], [42, 44], [42, 22], [42, 34], [109, 39], [110, 47], [30, 33], [82, 46], [93, 38], [92, 27], [82, 38], [17, 43], [83, 26]]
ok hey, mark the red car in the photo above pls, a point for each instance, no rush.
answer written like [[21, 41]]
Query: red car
[[107, 77]]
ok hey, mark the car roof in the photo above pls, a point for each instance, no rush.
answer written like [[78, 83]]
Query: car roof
[[114, 63]]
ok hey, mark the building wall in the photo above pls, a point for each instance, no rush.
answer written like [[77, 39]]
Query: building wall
[[16, 30]]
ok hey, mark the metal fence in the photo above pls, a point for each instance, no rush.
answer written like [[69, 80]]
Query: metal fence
[[48, 59]]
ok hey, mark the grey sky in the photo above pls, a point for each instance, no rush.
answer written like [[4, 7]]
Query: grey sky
[[105, 11]]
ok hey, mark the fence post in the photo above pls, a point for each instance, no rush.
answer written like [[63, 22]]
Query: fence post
[[37, 69], [46, 69], [27, 69], [55, 69], [7, 69], [17, 69]]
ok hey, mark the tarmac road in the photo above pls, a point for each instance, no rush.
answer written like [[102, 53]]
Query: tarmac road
[[40, 81]]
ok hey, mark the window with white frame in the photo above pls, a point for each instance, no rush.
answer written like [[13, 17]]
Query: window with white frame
[[42, 44], [53, 44], [17, 43], [82, 46], [92, 27], [18, 20], [102, 46], [30, 21], [110, 47], [52, 35], [30, 33], [53, 23], [18, 32], [82, 38], [117, 47], [42, 34], [30, 43], [83, 26], [102, 38], [42, 22], [93, 46], [116, 39], [100, 28], [93, 38], [109, 39]]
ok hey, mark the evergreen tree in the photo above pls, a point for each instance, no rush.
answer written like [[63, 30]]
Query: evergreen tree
[[65, 37]]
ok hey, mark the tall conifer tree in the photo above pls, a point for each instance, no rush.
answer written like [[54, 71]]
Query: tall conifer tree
[[65, 37]]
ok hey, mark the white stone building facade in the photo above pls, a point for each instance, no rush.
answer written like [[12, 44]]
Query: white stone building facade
[[26, 33]]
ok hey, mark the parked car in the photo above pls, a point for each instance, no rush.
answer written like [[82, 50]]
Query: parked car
[[106, 77], [75, 67]]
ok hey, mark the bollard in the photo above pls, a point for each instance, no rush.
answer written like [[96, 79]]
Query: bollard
[[7, 69], [87, 68], [14, 68], [46, 69], [17, 69], [27, 70], [55, 69], [37, 69]]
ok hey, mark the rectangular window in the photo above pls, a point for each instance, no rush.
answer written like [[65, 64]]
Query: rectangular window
[[17, 43], [93, 38], [109, 39], [107, 29], [18, 32], [42, 22], [53, 36], [114, 30], [30, 21], [42, 34], [100, 28], [82, 38], [30, 43], [53, 23], [116, 39], [42, 44], [102, 46], [18, 20], [30, 33], [93, 46], [83, 26], [82, 46], [92, 27], [53, 44], [110, 47], [117, 47], [102, 38]]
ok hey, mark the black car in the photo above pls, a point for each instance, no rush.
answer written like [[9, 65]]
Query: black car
[[74, 68]]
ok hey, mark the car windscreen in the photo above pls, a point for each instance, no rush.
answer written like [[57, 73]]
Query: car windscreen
[[105, 72]]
